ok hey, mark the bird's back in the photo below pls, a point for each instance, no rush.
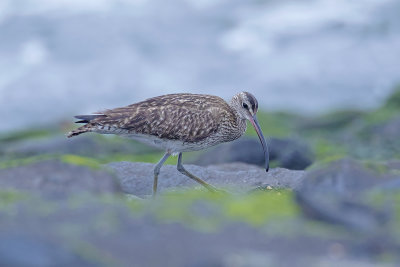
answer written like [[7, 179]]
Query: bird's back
[[186, 117]]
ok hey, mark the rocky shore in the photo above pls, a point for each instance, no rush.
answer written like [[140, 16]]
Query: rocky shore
[[331, 198], [55, 213]]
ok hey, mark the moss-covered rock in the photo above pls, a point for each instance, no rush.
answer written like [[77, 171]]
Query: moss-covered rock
[[210, 211]]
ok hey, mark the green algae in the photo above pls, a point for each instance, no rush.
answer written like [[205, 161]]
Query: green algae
[[148, 158], [209, 211], [331, 122], [11, 163], [12, 200], [278, 124], [376, 166], [10, 197], [260, 207], [24, 135], [67, 158], [379, 116], [96, 162], [194, 208], [326, 151], [81, 161], [387, 111], [91, 162]]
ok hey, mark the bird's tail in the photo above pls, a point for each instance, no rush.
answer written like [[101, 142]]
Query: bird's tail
[[80, 130], [85, 128]]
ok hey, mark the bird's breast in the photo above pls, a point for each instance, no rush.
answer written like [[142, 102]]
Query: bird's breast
[[231, 130]]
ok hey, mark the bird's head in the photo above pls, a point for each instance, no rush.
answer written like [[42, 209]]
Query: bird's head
[[246, 106]]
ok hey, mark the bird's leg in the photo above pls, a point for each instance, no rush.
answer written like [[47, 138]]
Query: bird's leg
[[157, 171], [191, 176]]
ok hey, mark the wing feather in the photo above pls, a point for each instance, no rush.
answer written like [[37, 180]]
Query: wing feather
[[186, 117]]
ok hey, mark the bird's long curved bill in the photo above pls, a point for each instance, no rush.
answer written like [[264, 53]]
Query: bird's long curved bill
[[256, 126]]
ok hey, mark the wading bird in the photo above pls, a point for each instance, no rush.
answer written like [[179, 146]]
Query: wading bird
[[179, 123]]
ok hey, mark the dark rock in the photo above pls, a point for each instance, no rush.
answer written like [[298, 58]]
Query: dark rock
[[348, 213], [137, 178], [287, 153], [290, 154], [56, 178], [343, 177], [335, 194]]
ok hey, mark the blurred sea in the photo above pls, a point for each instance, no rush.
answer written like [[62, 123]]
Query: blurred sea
[[59, 58]]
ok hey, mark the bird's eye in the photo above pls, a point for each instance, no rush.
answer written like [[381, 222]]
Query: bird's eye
[[245, 106]]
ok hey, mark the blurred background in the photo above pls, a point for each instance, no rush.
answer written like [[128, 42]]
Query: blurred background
[[60, 58], [326, 74]]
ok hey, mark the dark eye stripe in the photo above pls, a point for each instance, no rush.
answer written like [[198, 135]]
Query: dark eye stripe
[[252, 103]]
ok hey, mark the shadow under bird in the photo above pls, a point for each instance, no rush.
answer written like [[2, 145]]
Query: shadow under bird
[[179, 123]]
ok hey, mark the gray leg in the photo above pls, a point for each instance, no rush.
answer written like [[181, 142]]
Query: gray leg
[[191, 176], [157, 171]]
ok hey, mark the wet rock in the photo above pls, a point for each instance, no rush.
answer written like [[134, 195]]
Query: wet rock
[[56, 178], [137, 178], [336, 194], [287, 153]]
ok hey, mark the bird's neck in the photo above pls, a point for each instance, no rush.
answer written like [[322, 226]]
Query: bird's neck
[[241, 123]]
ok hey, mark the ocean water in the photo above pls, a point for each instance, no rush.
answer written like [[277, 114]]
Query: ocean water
[[60, 58]]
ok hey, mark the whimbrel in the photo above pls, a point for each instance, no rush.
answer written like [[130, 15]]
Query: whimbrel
[[179, 123]]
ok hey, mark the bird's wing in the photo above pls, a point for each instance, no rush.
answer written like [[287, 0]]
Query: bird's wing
[[170, 121]]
